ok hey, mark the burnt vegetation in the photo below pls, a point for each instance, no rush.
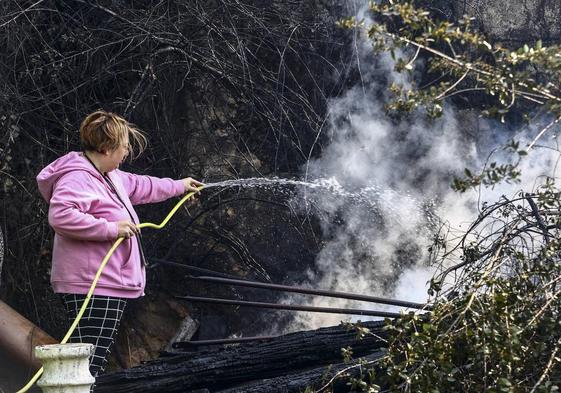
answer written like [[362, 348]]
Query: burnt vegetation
[[223, 89]]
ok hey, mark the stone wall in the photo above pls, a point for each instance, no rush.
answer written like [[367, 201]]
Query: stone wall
[[510, 21]]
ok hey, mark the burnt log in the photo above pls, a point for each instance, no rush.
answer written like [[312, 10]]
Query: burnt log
[[304, 356], [315, 378]]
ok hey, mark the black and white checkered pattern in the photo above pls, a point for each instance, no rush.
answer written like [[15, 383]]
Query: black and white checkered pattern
[[98, 325]]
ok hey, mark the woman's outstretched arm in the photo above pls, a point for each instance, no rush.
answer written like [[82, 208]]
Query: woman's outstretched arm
[[148, 189]]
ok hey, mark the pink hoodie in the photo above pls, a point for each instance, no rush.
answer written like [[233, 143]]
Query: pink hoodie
[[84, 212]]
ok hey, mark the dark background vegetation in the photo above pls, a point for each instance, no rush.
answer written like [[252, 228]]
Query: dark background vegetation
[[224, 89]]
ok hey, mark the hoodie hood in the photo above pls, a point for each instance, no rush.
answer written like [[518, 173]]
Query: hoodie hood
[[73, 161]]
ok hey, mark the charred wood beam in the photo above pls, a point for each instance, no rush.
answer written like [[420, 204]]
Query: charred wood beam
[[314, 378], [224, 368], [190, 344], [290, 307]]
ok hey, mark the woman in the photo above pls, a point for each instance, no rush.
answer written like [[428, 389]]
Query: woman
[[90, 206]]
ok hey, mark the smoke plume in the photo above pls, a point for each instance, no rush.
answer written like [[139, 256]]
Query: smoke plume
[[400, 173]]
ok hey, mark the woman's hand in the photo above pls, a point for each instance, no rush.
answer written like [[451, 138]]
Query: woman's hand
[[127, 229], [191, 184]]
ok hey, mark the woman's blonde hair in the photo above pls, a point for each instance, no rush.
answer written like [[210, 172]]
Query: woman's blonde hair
[[105, 131]]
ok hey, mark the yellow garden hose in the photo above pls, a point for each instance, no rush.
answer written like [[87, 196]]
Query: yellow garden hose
[[98, 274]]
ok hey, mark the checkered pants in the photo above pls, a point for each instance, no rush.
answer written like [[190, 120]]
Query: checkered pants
[[97, 326]]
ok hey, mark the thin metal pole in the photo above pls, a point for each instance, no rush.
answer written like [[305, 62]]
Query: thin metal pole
[[321, 292], [229, 279], [158, 261], [372, 313], [186, 344]]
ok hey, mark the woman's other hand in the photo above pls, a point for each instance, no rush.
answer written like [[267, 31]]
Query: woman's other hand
[[127, 229], [191, 184]]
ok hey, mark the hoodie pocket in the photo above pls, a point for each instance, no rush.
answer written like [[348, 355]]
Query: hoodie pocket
[[131, 270], [90, 271], [127, 247], [111, 274]]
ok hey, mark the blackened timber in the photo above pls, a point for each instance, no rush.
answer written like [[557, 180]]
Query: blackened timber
[[309, 291], [226, 367], [290, 307], [315, 378], [187, 344]]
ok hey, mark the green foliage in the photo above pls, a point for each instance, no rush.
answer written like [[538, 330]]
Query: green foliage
[[462, 62], [497, 327], [495, 323], [465, 59], [493, 173]]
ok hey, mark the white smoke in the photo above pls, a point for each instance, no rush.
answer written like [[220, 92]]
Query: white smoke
[[405, 169]]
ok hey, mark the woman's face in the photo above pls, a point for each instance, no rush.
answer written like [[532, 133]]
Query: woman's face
[[117, 156]]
